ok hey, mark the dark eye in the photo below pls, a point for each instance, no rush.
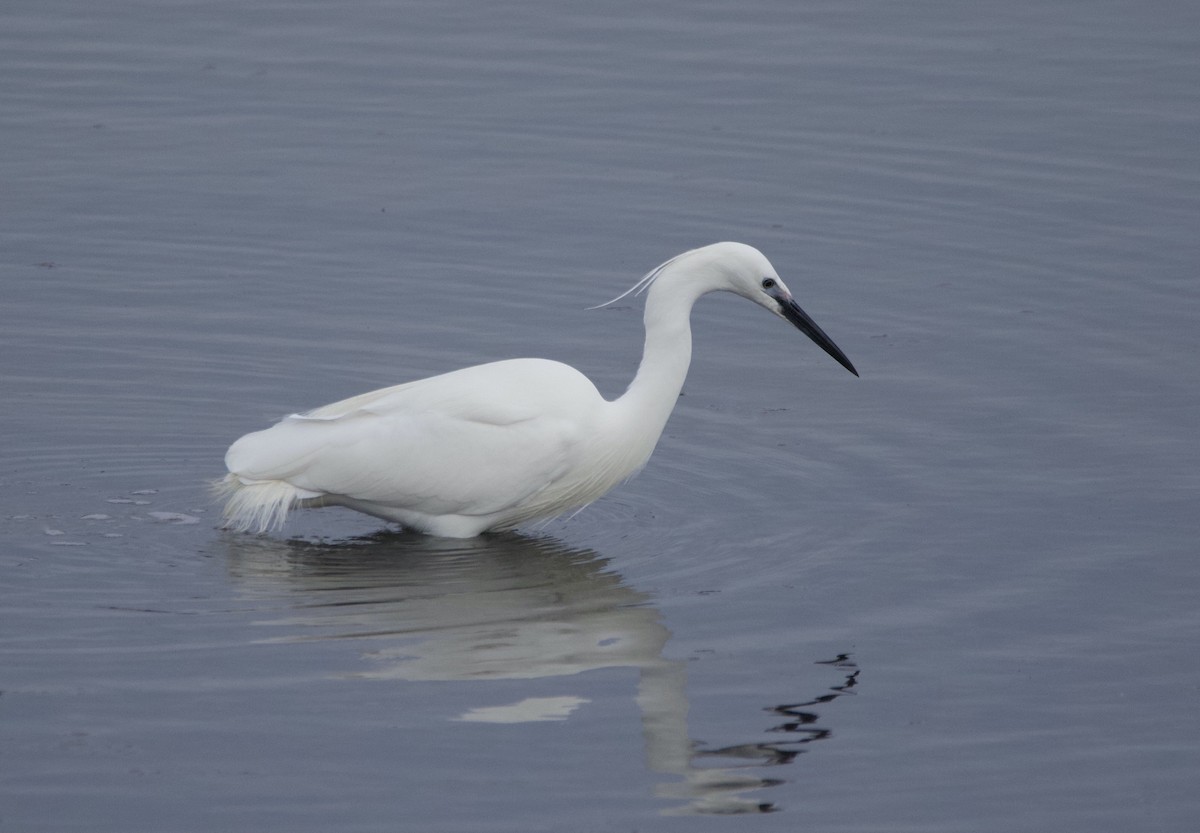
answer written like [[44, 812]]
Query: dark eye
[[768, 283]]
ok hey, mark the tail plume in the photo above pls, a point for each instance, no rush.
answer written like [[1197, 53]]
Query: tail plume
[[260, 506]]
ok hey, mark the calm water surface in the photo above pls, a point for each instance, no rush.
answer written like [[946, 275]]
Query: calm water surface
[[957, 593]]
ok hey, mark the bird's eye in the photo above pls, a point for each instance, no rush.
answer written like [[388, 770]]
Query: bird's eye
[[768, 283]]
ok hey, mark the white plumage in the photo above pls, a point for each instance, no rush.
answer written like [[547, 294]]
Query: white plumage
[[496, 445]]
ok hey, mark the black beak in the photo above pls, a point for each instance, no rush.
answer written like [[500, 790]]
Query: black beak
[[792, 312]]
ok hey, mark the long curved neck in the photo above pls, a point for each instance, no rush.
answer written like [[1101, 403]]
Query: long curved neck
[[651, 395]]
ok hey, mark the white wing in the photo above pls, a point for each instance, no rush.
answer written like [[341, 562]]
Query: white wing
[[474, 442]]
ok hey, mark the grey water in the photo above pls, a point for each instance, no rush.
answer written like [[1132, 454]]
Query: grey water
[[958, 593]]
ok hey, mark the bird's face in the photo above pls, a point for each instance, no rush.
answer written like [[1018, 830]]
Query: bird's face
[[756, 280]]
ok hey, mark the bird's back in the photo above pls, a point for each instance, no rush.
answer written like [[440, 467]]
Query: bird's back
[[480, 441]]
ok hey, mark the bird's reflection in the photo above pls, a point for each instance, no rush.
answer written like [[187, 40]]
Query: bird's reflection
[[512, 607]]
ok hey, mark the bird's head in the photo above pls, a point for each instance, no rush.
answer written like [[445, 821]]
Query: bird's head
[[745, 271], [737, 268]]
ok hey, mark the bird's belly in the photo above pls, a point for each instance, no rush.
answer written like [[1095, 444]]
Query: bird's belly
[[572, 491], [443, 526]]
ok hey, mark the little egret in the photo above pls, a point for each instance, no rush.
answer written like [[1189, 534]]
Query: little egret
[[496, 445]]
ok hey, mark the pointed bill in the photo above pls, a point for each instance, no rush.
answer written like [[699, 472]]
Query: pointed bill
[[790, 310]]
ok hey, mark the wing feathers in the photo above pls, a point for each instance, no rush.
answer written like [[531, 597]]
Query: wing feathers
[[478, 441], [426, 463]]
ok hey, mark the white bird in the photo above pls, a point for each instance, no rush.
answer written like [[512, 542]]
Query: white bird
[[496, 445]]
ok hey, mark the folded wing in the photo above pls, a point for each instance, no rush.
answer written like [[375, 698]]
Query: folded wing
[[473, 442]]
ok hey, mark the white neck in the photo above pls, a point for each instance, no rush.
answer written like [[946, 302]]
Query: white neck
[[625, 438], [666, 355], [642, 411]]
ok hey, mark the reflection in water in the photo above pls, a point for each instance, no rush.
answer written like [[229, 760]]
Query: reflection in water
[[510, 607]]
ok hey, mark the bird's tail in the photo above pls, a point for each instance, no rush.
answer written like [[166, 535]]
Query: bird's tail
[[258, 506]]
